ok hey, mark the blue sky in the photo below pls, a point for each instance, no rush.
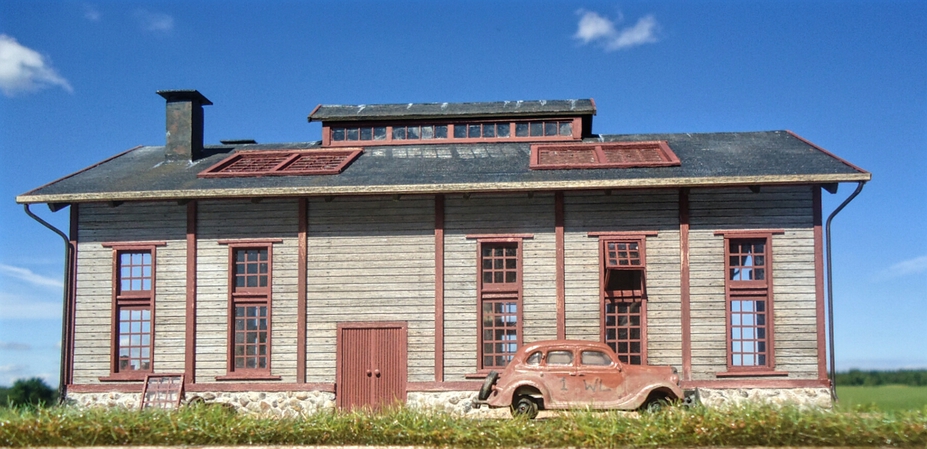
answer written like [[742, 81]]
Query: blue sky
[[78, 82]]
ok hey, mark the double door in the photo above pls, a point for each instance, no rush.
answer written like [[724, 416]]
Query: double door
[[371, 369]]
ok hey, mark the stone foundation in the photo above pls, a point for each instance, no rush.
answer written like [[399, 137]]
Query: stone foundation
[[460, 403], [288, 404], [87, 400], [801, 397]]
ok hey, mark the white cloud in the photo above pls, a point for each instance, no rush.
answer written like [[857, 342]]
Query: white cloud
[[904, 268], [154, 21], [91, 13], [30, 277], [14, 346], [23, 69], [593, 28]]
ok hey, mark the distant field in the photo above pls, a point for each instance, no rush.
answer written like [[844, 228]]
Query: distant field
[[884, 398]]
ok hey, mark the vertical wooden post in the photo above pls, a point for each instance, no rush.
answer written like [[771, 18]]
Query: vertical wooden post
[[301, 270], [72, 296], [685, 308], [190, 318], [819, 281], [439, 288], [561, 287]]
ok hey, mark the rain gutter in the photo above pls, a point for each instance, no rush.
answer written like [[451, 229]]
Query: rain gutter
[[65, 318], [830, 291]]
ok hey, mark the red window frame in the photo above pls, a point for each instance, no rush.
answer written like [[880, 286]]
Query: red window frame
[[245, 298], [133, 309], [749, 302], [575, 132], [624, 311], [253, 163], [603, 155], [496, 301]]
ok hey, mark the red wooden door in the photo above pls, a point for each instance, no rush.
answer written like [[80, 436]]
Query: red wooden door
[[371, 364]]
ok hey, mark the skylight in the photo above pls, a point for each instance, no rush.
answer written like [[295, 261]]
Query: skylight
[[282, 163], [603, 155]]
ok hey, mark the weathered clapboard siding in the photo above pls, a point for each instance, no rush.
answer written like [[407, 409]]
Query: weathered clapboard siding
[[625, 211], [129, 222], [788, 208], [242, 219], [496, 214], [370, 259]]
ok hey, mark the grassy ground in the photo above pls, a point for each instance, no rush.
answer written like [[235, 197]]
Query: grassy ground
[[756, 426], [882, 398]]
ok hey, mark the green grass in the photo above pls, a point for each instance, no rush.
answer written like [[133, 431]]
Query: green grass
[[754, 426], [883, 398]]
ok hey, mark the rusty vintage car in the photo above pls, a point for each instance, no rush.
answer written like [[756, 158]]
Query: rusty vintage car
[[567, 374]]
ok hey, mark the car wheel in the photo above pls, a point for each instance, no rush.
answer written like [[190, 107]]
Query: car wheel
[[656, 405], [525, 406], [486, 389]]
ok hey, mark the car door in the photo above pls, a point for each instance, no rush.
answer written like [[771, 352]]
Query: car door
[[559, 377], [601, 378]]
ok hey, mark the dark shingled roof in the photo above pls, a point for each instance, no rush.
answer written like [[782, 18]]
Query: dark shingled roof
[[410, 111], [709, 159]]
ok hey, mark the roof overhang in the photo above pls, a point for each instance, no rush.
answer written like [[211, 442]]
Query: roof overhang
[[426, 189]]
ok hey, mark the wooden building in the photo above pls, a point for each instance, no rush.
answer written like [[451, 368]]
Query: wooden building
[[414, 247]]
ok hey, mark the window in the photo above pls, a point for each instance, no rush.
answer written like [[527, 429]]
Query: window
[[440, 132], [250, 288], [499, 286], [133, 309], [596, 358], [534, 359], [623, 293], [560, 358], [602, 155], [749, 302]]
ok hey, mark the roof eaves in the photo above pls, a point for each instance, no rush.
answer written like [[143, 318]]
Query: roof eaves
[[444, 188]]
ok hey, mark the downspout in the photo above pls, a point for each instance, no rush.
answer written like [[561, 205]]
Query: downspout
[[830, 291], [68, 253]]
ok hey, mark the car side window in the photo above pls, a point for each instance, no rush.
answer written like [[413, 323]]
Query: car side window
[[534, 359], [595, 358], [560, 358]]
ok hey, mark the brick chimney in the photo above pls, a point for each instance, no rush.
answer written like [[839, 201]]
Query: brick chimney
[[184, 124]]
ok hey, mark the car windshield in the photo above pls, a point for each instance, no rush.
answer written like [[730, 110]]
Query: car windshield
[[560, 358], [596, 358]]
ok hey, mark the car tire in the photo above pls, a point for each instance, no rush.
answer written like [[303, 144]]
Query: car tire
[[486, 389], [657, 405], [525, 406]]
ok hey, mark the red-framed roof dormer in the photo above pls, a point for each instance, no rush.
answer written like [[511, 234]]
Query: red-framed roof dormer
[[282, 163], [602, 155]]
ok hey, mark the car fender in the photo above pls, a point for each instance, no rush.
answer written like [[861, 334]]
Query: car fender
[[503, 397], [642, 395]]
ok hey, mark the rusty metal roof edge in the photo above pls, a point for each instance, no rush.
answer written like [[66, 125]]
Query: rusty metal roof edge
[[420, 189]]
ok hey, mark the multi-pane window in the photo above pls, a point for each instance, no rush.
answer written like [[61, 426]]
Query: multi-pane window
[[250, 309], [559, 129], [133, 309], [746, 260], [748, 303], [134, 338], [500, 300], [624, 298]]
